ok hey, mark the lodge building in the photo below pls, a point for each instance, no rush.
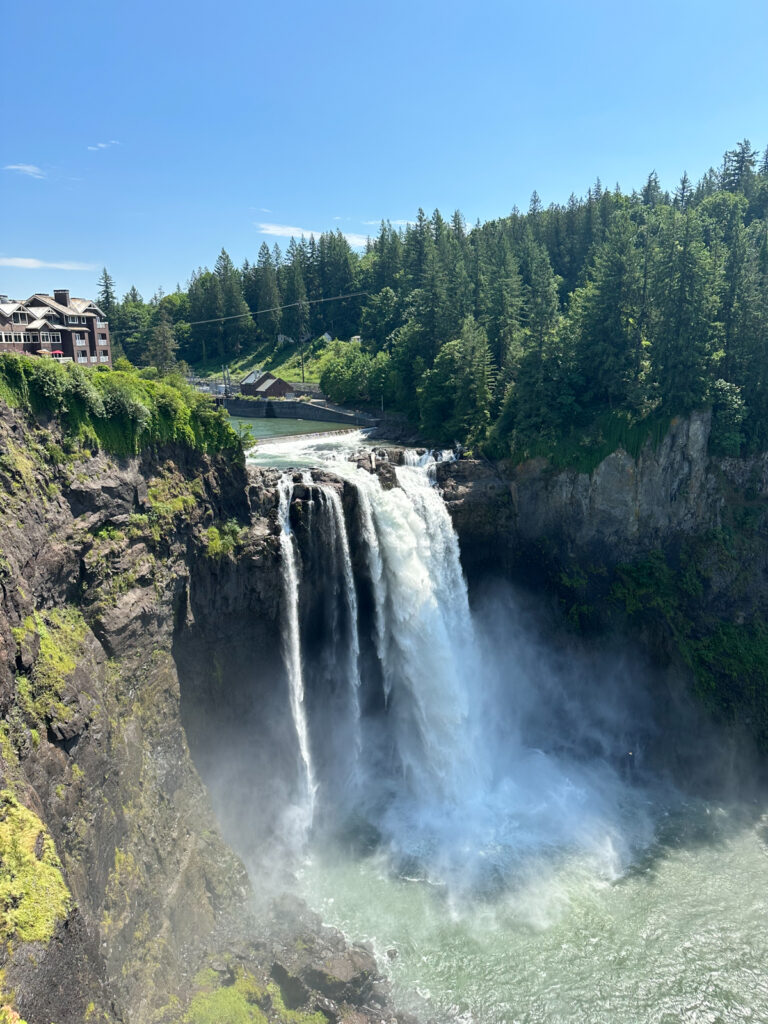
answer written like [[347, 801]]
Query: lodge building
[[67, 329]]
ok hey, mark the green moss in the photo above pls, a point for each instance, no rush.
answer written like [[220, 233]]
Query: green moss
[[244, 1002], [9, 1016], [7, 748], [16, 462], [109, 533], [220, 542], [286, 1016], [33, 894], [61, 633], [235, 1004]]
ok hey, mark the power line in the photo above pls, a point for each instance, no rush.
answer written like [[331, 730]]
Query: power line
[[259, 312]]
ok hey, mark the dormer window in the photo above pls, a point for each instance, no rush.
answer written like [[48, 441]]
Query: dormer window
[[20, 318], [71, 319]]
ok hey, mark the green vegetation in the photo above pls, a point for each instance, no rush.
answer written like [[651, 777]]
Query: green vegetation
[[220, 541], [33, 894], [561, 332], [243, 1002], [120, 411], [670, 594], [61, 633]]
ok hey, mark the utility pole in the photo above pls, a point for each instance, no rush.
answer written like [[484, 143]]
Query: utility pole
[[301, 352]]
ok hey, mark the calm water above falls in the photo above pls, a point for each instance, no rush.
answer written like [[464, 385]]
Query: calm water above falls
[[518, 876]]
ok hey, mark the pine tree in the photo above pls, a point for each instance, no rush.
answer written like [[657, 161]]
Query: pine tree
[[162, 346], [236, 329], [106, 298], [604, 322], [684, 304], [268, 297]]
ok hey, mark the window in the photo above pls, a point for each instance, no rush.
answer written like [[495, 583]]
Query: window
[[71, 319], [100, 322], [83, 320], [82, 359], [20, 318], [79, 340], [56, 339], [102, 339], [32, 338], [103, 358], [45, 338]]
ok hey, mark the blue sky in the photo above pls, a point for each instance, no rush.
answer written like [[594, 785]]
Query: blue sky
[[146, 136]]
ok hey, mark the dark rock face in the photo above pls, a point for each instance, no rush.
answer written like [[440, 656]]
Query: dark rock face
[[665, 552], [621, 509], [126, 626]]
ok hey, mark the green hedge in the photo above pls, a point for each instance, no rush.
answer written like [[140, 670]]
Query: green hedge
[[117, 410]]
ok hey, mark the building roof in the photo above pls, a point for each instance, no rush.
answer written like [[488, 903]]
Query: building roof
[[267, 383], [79, 306], [43, 322], [255, 376]]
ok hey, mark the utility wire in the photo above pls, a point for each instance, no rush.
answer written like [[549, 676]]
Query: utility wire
[[258, 312]]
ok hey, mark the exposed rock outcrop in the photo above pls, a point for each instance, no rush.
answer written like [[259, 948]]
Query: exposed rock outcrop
[[133, 593]]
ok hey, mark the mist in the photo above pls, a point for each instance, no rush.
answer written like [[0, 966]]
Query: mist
[[475, 745]]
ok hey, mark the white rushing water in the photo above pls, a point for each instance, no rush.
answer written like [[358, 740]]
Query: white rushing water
[[442, 771], [518, 874], [292, 656]]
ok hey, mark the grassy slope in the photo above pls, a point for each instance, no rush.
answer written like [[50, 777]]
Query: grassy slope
[[283, 362]]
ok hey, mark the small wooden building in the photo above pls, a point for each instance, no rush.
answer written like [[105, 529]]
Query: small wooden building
[[262, 384]]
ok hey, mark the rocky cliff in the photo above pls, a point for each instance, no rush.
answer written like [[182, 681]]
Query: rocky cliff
[[127, 587], [669, 550], [140, 603]]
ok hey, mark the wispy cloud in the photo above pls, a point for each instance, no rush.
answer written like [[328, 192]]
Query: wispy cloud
[[263, 209], [104, 145], [289, 231], [29, 169], [355, 240], [394, 223], [29, 263]]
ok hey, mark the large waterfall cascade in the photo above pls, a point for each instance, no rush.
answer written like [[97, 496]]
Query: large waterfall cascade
[[425, 743], [514, 859]]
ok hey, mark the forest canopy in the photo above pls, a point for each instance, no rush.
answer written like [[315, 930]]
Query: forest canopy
[[558, 331]]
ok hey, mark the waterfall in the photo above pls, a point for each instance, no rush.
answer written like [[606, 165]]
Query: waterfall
[[405, 717], [422, 629], [292, 649]]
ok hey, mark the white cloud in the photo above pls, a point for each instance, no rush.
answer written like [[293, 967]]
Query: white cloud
[[394, 223], [29, 169], [29, 263], [263, 209], [355, 240], [104, 145], [288, 231], [285, 230]]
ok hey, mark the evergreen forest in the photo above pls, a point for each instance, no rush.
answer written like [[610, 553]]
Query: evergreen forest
[[562, 331]]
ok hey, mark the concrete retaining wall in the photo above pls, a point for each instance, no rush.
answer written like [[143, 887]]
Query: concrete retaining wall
[[287, 409]]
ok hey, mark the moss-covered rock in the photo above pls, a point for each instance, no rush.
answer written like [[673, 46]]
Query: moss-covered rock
[[33, 894]]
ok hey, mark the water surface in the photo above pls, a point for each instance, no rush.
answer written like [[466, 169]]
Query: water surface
[[680, 938]]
